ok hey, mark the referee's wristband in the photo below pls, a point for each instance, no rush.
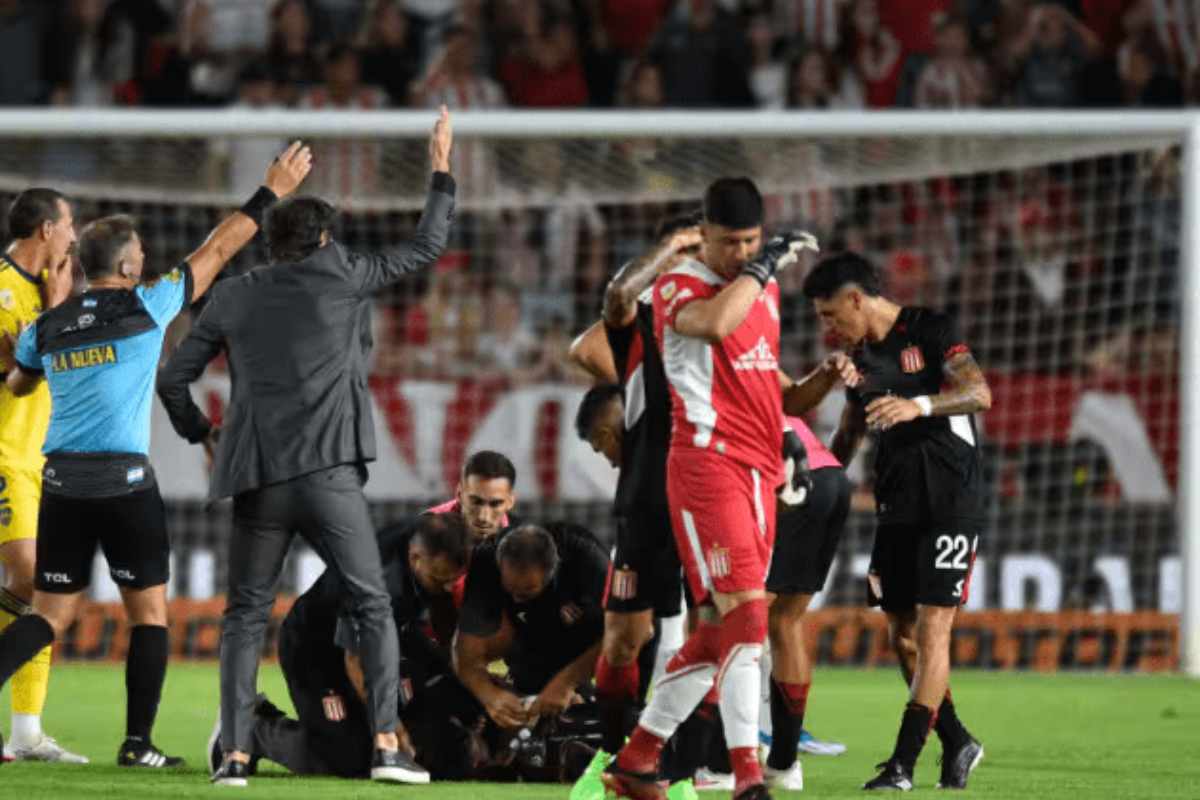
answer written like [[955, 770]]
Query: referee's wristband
[[925, 404], [256, 207]]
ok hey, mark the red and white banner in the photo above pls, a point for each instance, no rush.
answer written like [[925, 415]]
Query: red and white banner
[[424, 430]]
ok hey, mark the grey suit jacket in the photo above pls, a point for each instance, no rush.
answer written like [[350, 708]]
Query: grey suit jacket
[[297, 336]]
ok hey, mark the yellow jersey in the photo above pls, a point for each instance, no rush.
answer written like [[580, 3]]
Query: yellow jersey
[[23, 420]]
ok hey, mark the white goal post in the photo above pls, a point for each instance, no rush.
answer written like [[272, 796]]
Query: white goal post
[[918, 144]]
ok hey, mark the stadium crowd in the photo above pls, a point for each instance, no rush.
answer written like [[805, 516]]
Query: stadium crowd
[[602, 53]]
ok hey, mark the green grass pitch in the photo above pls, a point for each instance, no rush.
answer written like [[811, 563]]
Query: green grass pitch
[[1061, 736]]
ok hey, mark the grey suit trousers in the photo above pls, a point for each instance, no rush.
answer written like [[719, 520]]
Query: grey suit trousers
[[327, 508]]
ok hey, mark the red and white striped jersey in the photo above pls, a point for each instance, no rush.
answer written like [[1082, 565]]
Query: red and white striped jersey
[[725, 397]]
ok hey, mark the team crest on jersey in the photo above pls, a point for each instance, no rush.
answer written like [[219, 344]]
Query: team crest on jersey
[[911, 359], [174, 276], [719, 562], [624, 584], [7, 301], [668, 290]]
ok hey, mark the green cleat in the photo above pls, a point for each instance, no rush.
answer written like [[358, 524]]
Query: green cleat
[[589, 786], [683, 790]]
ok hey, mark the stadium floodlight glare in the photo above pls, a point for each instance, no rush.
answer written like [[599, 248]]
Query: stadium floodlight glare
[[568, 171]]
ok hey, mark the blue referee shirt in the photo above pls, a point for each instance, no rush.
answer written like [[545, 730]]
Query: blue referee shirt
[[99, 353]]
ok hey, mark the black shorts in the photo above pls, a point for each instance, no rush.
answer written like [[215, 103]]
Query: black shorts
[[807, 538], [928, 564], [130, 529], [644, 572]]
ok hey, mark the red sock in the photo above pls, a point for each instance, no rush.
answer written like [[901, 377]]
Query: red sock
[[795, 696], [617, 682], [745, 767], [641, 752]]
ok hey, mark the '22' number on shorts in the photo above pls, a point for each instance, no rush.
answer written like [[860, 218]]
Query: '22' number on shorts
[[958, 547]]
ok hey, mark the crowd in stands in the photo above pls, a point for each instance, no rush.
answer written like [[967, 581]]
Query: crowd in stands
[[482, 54]]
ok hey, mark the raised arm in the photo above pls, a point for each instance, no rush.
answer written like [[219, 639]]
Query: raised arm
[[622, 292], [592, 353], [800, 397], [374, 271], [283, 176], [715, 318], [202, 344]]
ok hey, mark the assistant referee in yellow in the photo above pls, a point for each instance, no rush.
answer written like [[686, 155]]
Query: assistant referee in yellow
[[35, 274]]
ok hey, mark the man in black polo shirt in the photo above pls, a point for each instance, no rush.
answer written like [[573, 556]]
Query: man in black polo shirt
[[534, 598]]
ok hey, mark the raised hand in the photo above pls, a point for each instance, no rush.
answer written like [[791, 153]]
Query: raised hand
[[289, 169], [779, 253], [440, 142]]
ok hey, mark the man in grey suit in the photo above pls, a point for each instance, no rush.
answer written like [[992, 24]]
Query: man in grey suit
[[296, 437]]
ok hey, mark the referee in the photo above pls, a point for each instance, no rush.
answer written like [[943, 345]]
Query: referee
[[297, 436], [98, 352]]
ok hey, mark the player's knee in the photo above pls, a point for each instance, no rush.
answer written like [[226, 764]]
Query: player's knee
[[624, 637], [745, 623], [904, 642], [933, 629]]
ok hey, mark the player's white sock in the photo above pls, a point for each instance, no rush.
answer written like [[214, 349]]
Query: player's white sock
[[738, 687], [764, 691], [676, 697], [26, 730], [670, 638], [688, 678]]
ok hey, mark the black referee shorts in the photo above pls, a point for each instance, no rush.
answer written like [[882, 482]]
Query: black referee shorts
[[644, 572], [807, 538], [131, 530], [921, 564]]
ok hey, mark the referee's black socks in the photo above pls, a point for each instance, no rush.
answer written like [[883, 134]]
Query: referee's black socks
[[21, 641], [145, 669]]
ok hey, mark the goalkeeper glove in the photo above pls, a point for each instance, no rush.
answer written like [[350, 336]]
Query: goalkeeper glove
[[779, 253], [797, 483]]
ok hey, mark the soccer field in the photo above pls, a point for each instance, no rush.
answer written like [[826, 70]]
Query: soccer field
[[1061, 736]]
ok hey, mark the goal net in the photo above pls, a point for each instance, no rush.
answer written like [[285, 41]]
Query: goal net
[[1059, 253]]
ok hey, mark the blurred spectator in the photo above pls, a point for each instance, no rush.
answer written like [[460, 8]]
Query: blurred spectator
[[243, 157], [1144, 77], [389, 57], [631, 24], [702, 52], [1176, 26], [453, 77], [954, 78], [348, 167], [768, 72], [21, 38], [816, 23], [83, 62], [192, 72], [1047, 56], [544, 69], [875, 54], [293, 49], [913, 22], [238, 26], [344, 18], [814, 82], [509, 343]]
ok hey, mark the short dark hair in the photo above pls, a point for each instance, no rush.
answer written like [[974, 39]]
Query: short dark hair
[[832, 273], [734, 203], [488, 464], [668, 225], [101, 243], [31, 208], [294, 227], [528, 546], [445, 535], [591, 406], [339, 50]]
